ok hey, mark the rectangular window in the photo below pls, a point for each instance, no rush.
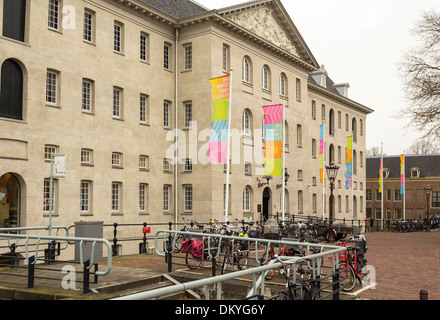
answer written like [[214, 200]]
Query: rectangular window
[[14, 19], [339, 204], [298, 89], [299, 135], [85, 196], [143, 163], [46, 195], [51, 87], [435, 199], [88, 30], [314, 110], [166, 114], [225, 58], [188, 115], [87, 95], [166, 165], [397, 195], [248, 169], [188, 165], [143, 47], [143, 109], [116, 160], [166, 56], [117, 103], [48, 150], [339, 119], [300, 201], [166, 198], [116, 196], [368, 196], [188, 194], [143, 197], [323, 112], [117, 37], [313, 148], [54, 14], [187, 57], [314, 203], [86, 157]]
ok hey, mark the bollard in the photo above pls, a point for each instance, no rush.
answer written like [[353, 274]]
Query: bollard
[[31, 272], [423, 295], [115, 240]]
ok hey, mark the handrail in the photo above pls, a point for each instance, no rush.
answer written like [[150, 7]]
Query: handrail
[[38, 238]]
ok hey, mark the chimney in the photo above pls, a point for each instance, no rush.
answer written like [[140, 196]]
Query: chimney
[[320, 77], [342, 89]]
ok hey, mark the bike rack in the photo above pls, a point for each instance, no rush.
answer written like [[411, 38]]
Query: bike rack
[[257, 283]]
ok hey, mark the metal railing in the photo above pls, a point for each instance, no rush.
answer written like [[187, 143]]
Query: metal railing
[[314, 261], [33, 245]]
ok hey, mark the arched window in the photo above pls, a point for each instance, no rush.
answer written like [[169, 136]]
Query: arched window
[[11, 91], [331, 157], [283, 85], [246, 70], [265, 78], [331, 120], [246, 122], [247, 192]]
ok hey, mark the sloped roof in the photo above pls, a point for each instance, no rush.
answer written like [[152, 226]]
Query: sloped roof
[[429, 166], [178, 9]]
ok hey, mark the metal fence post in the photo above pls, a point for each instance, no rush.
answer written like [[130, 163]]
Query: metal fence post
[[169, 255], [86, 277], [31, 272], [115, 241], [336, 284], [144, 249]]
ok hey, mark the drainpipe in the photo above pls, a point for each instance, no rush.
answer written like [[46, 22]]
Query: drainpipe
[[176, 160]]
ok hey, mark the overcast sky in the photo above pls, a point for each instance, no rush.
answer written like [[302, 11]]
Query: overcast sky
[[362, 43]]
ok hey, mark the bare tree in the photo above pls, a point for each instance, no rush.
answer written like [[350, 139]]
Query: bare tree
[[422, 146], [373, 152], [421, 74]]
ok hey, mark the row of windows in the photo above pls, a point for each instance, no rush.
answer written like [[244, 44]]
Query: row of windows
[[86, 197], [435, 196]]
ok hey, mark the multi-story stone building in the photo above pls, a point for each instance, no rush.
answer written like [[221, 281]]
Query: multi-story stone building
[[106, 82]]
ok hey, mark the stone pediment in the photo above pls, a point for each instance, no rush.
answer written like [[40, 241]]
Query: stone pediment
[[263, 22]]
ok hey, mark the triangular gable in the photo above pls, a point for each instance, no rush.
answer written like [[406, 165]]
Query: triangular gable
[[269, 20]]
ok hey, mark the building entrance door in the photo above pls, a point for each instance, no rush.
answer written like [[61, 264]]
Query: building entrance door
[[10, 193], [266, 203]]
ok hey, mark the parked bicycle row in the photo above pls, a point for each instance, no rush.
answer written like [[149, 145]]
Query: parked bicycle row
[[410, 225]]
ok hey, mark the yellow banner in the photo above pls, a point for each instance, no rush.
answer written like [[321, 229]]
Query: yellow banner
[[221, 88]]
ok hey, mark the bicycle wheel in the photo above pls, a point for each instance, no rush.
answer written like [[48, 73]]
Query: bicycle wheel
[[227, 257], [177, 243], [347, 277], [191, 261], [270, 273]]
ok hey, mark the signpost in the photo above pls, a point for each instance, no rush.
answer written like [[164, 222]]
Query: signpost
[[57, 170]]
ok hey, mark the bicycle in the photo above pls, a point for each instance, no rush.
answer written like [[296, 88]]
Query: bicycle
[[234, 252], [353, 264]]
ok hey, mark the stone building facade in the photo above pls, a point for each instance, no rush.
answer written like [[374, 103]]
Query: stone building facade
[[112, 84]]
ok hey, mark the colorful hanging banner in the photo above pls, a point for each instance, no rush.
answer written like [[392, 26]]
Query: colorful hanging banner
[[349, 163], [402, 174], [321, 154], [218, 143], [273, 140]]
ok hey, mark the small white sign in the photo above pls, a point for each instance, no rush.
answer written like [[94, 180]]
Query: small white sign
[[59, 166]]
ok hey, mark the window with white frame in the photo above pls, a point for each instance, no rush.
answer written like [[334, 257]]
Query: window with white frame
[[86, 156], [144, 163], [246, 70], [188, 198], [87, 95], [116, 196], [323, 113], [166, 165], [314, 203], [54, 14], [116, 160], [248, 169], [247, 199], [143, 47], [167, 56], [188, 57], [246, 122], [188, 167], [143, 197], [46, 195], [265, 78], [52, 87], [85, 196], [166, 198], [314, 110], [226, 55], [48, 150], [88, 27], [117, 103], [188, 114], [144, 109], [118, 30], [166, 114], [313, 148], [283, 85]]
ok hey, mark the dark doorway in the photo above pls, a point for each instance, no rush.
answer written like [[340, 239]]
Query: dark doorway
[[11, 91], [10, 193], [266, 203]]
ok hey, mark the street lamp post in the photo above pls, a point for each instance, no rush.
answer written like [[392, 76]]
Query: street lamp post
[[428, 190], [332, 172]]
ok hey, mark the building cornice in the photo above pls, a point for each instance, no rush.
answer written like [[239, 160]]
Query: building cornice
[[339, 98]]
